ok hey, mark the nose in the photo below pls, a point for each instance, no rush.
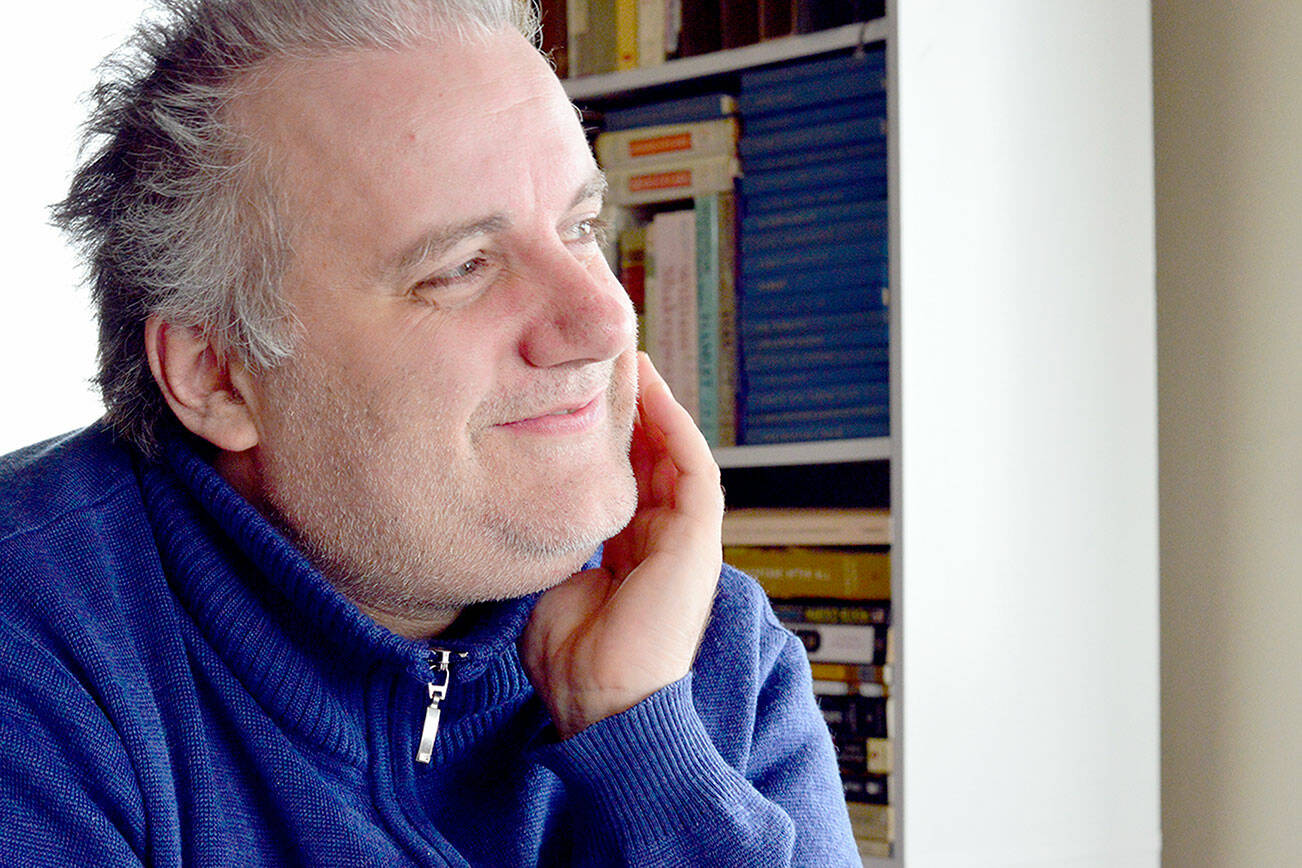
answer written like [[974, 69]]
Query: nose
[[584, 314]]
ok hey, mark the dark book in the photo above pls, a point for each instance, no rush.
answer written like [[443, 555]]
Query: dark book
[[833, 111], [700, 107], [843, 63], [823, 397]]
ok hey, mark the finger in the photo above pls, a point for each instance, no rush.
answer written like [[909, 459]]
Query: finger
[[697, 484]]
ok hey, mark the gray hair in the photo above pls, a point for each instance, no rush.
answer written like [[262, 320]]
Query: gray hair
[[175, 213]]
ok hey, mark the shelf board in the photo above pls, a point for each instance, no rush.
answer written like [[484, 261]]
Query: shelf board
[[816, 452], [720, 62]]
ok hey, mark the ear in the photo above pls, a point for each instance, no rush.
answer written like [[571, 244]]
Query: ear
[[209, 393]]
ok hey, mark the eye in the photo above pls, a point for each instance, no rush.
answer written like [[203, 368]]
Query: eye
[[455, 284], [590, 230]]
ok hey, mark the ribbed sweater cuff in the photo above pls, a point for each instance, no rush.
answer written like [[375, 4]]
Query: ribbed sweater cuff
[[647, 774]]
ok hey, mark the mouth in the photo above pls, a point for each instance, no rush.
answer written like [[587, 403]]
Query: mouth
[[570, 417]]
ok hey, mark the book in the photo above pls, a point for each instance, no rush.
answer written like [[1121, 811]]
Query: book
[[870, 235], [788, 571], [776, 160], [766, 363], [776, 19], [866, 787], [813, 15], [752, 433], [796, 282], [830, 66], [829, 174], [700, 107], [632, 273], [641, 146], [671, 180], [870, 213], [843, 688], [739, 23], [794, 198], [852, 673], [876, 612], [867, 252], [671, 299], [861, 82], [805, 139], [853, 716], [778, 325], [796, 378], [871, 755], [872, 822], [828, 300], [554, 36], [758, 526], [841, 643], [716, 312], [840, 111], [626, 35], [591, 25], [650, 32]]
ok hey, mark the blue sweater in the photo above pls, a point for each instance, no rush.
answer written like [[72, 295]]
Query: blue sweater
[[178, 686]]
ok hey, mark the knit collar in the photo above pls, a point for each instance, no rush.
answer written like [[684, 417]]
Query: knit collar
[[277, 621]]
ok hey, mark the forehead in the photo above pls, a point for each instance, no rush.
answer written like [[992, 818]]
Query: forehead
[[415, 135]]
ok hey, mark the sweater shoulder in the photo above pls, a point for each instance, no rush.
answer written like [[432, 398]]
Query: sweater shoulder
[[47, 482]]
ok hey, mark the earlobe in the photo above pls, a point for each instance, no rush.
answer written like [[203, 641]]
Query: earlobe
[[208, 397]]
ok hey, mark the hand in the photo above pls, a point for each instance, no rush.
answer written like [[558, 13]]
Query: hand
[[607, 638]]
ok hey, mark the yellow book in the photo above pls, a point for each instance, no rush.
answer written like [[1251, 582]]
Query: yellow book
[[625, 35], [799, 571]]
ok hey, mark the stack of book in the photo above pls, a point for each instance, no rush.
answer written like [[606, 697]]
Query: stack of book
[[589, 37], [812, 306], [671, 168], [827, 572]]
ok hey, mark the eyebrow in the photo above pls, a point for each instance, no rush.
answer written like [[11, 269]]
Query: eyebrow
[[436, 242]]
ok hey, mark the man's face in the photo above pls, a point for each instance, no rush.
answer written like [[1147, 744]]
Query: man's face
[[455, 424]]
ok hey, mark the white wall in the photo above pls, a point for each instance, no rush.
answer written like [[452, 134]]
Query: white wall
[[47, 339], [1228, 110], [1027, 476]]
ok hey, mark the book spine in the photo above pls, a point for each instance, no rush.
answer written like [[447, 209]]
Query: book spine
[[650, 32], [707, 310], [728, 368], [768, 363], [672, 180], [702, 107], [643, 146], [757, 434], [795, 573], [858, 613], [807, 117], [671, 304], [805, 139], [821, 378], [784, 75], [626, 26], [791, 284], [841, 643], [870, 212], [865, 83], [831, 174], [777, 326], [868, 235], [806, 527], [855, 716]]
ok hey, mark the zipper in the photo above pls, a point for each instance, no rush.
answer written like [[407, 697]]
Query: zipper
[[440, 664]]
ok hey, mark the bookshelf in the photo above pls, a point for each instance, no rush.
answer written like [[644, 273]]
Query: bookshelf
[[1021, 470]]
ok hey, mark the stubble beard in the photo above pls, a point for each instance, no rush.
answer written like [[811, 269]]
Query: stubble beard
[[409, 531]]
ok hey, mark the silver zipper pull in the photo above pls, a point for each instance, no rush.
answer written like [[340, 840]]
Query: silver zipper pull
[[440, 664]]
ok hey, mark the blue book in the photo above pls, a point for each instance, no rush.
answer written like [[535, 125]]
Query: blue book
[[856, 151], [817, 116], [863, 335], [856, 298], [869, 212], [868, 253], [756, 362], [831, 174], [841, 232], [753, 327], [795, 282], [702, 107], [841, 395], [758, 434], [818, 378], [829, 66], [805, 138], [796, 198], [864, 81]]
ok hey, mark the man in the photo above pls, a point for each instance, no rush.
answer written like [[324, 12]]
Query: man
[[321, 589]]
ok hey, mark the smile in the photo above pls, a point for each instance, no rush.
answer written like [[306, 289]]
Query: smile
[[570, 419]]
